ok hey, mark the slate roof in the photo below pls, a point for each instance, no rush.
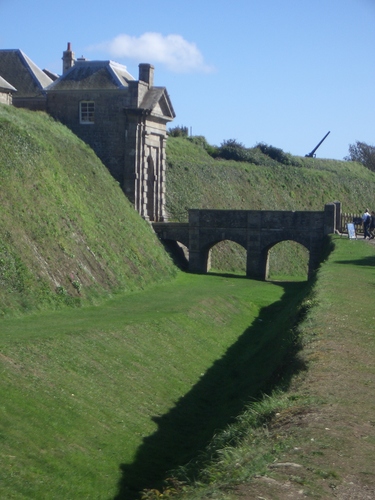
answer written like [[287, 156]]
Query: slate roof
[[49, 73], [4, 85], [152, 97], [22, 73], [93, 75], [158, 96]]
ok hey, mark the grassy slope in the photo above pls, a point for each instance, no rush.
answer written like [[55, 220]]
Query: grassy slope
[[81, 389], [196, 180], [67, 232], [317, 438], [85, 390]]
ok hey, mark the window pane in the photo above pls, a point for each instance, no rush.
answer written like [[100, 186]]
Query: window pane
[[87, 111]]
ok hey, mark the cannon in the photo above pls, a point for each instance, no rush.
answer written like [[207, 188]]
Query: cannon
[[312, 154]]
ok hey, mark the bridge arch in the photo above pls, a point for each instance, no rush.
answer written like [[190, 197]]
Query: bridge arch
[[217, 256], [280, 256], [268, 241], [199, 256], [178, 251]]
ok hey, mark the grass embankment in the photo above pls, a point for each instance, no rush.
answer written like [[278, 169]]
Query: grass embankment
[[315, 440], [144, 380], [196, 180], [68, 235]]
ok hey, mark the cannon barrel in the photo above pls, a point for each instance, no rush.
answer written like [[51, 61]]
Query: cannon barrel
[[312, 154]]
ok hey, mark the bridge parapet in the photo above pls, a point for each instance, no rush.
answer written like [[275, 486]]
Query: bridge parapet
[[176, 231], [255, 230]]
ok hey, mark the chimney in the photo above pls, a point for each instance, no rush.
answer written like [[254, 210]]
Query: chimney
[[68, 59], [146, 74]]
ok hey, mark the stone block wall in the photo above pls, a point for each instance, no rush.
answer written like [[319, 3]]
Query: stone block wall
[[255, 230], [5, 98], [106, 136], [129, 142]]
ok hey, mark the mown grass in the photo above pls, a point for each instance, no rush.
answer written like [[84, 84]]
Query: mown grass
[[338, 347], [102, 401], [142, 381], [68, 236], [196, 180]]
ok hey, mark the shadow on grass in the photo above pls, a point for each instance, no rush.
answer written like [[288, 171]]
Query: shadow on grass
[[252, 366], [239, 276], [273, 280], [366, 261]]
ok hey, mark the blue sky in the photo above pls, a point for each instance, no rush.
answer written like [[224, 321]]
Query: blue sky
[[283, 72]]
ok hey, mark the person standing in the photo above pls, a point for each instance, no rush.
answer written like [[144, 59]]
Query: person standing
[[372, 225], [366, 220]]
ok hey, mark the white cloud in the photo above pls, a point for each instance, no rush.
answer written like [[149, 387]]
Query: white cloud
[[173, 51]]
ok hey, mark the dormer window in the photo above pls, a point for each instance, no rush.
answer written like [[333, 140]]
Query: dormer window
[[86, 112]]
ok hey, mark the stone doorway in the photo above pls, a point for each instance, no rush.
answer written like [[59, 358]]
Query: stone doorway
[[150, 202]]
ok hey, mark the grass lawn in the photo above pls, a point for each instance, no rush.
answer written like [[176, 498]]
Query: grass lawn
[[101, 401], [317, 439]]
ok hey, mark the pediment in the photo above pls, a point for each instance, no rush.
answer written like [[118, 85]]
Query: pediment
[[157, 103], [163, 108]]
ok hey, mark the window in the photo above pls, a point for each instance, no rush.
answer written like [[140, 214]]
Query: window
[[87, 111]]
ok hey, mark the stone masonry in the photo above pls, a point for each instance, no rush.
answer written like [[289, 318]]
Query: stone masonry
[[122, 119], [255, 230]]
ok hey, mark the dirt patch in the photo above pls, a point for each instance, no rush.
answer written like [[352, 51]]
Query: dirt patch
[[266, 488]]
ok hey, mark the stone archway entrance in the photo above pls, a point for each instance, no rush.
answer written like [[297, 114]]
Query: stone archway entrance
[[150, 202], [152, 179]]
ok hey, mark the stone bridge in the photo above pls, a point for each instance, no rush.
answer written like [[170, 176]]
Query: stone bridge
[[255, 230]]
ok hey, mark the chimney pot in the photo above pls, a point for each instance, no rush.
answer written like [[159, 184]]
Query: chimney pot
[[68, 59]]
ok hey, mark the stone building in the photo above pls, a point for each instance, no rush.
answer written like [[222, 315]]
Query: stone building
[[24, 75], [123, 120], [6, 92]]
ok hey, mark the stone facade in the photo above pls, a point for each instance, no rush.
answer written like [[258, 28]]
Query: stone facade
[[5, 97], [122, 119], [6, 92], [126, 128], [27, 79]]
